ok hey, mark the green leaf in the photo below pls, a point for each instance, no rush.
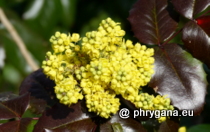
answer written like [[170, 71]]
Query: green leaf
[[151, 22], [68, 11], [190, 8], [181, 77], [197, 42], [42, 16], [117, 127], [34, 43], [199, 128]]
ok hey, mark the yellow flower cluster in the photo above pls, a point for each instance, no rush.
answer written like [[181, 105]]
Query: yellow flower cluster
[[149, 102], [100, 66]]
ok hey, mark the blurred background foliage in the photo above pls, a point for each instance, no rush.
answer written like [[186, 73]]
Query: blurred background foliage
[[36, 20]]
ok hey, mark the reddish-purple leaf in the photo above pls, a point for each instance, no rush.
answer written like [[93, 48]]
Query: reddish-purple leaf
[[169, 126], [11, 126], [76, 117], [5, 113], [14, 107], [181, 77], [190, 8], [128, 125], [151, 22], [6, 96], [204, 23], [16, 126], [24, 124], [197, 42], [41, 89], [85, 125]]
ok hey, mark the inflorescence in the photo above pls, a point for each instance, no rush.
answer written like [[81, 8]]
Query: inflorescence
[[100, 66]]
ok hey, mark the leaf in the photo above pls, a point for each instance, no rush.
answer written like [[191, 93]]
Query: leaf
[[204, 23], [190, 8], [151, 22], [62, 117], [41, 89], [126, 125], [11, 126], [68, 11], [169, 126], [200, 127], [40, 16], [6, 96], [16, 126], [14, 107], [197, 42], [181, 77]]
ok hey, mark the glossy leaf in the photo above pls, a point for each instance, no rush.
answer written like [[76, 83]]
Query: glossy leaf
[[16, 126], [197, 42], [190, 8], [40, 87], [204, 23], [14, 107], [151, 22], [78, 120], [61, 115], [180, 76], [40, 16], [6, 96]]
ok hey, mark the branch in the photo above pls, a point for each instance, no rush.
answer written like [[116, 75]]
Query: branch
[[18, 40]]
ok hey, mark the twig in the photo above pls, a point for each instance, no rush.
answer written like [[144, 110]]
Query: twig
[[18, 40]]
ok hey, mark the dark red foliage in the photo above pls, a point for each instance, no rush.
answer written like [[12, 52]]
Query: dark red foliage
[[151, 22], [197, 42], [190, 8], [181, 77], [41, 89], [16, 126], [14, 107], [177, 74]]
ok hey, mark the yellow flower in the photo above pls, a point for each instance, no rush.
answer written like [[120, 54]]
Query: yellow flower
[[182, 129], [100, 66]]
